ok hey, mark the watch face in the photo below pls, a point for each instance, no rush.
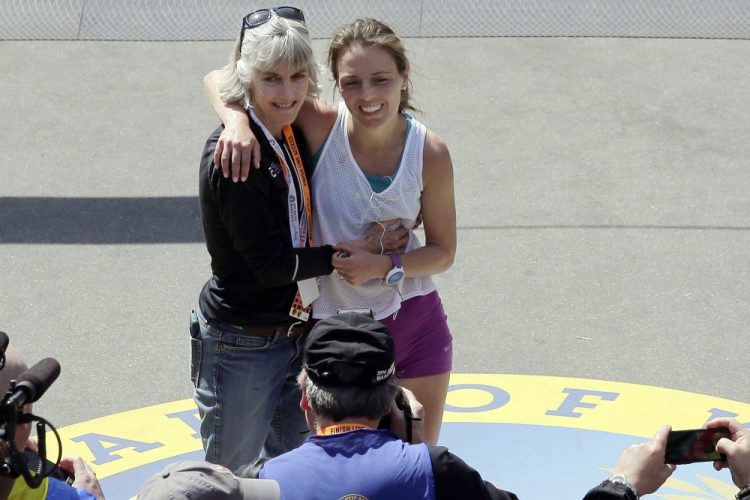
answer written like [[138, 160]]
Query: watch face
[[394, 276]]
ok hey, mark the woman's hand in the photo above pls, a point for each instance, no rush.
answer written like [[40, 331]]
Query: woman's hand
[[237, 147], [358, 266], [384, 237], [236, 150]]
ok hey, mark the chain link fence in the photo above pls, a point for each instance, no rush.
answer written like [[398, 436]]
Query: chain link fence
[[173, 20]]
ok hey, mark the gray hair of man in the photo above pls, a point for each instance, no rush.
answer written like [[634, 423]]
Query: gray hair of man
[[340, 403], [264, 48]]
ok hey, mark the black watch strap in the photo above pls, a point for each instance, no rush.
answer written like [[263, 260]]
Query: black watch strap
[[744, 493]]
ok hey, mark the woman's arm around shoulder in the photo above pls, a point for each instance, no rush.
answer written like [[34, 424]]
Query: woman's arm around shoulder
[[316, 118], [237, 148]]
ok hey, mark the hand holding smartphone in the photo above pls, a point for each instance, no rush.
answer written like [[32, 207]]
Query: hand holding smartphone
[[694, 445]]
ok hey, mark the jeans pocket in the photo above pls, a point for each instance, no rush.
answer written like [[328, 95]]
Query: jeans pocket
[[244, 343], [196, 349]]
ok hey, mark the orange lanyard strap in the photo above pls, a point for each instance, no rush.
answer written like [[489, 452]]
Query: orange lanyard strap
[[341, 428], [305, 188]]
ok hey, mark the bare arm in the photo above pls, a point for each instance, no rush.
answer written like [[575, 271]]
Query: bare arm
[[238, 148], [438, 213]]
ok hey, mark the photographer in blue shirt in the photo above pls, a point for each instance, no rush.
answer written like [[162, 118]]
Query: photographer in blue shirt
[[348, 385]]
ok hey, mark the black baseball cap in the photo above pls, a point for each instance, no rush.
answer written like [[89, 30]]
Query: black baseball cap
[[348, 350]]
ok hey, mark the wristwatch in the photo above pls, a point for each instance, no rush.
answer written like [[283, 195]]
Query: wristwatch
[[744, 493], [396, 274], [620, 479]]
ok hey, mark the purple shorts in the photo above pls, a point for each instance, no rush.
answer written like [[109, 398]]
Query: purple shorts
[[421, 336]]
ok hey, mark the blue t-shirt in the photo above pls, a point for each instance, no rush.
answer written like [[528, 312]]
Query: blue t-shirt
[[59, 490], [361, 464]]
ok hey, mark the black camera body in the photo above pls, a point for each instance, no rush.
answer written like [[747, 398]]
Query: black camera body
[[402, 404], [28, 388]]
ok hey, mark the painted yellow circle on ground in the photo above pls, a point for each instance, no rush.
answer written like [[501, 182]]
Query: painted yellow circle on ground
[[492, 421]]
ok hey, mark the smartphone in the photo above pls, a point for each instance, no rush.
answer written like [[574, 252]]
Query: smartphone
[[694, 445]]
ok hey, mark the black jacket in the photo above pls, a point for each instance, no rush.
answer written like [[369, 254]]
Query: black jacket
[[246, 226], [610, 491]]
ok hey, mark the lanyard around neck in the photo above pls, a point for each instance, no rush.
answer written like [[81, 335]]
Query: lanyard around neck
[[341, 428], [305, 187], [301, 230]]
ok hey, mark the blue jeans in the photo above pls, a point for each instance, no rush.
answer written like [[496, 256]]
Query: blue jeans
[[246, 392]]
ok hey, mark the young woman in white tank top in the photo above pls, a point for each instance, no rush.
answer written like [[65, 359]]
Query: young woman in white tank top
[[376, 163]]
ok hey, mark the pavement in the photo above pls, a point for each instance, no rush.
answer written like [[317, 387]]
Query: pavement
[[601, 188]]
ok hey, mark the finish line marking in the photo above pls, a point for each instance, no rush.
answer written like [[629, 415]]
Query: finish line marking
[[595, 416]]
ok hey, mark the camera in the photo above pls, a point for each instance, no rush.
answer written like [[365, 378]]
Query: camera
[[27, 388], [402, 404]]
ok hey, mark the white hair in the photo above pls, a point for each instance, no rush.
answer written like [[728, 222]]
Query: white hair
[[264, 48]]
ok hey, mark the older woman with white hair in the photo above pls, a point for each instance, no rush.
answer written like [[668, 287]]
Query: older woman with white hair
[[254, 308]]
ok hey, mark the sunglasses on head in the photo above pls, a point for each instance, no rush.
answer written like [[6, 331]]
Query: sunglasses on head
[[261, 17]]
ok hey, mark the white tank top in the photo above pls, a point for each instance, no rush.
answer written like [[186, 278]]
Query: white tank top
[[344, 207]]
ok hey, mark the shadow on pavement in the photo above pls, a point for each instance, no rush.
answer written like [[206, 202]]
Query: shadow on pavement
[[48, 220]]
